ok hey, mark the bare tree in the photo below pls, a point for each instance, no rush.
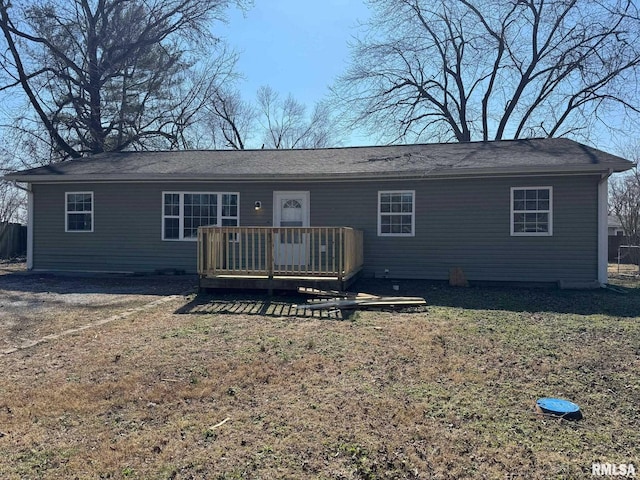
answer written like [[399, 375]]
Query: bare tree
[[24, 144], [322, 127], [276, 123], [624, 203], [15, 144], [492, 69], [12, 204], [286, 125], [108, 75], [284, 120], [230, 118]]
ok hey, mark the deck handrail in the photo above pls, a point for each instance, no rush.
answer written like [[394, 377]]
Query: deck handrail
[[280, 251]]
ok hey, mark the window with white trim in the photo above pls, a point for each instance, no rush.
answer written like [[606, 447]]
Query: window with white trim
[[184, 212], [78, 211], [531, 211], [396, 213]]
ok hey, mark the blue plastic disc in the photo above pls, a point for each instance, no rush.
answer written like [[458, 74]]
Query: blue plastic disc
[[559, 407]]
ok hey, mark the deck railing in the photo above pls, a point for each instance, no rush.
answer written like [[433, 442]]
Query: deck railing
[[279, 251]]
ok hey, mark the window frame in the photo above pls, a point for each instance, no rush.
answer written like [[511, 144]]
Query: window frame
[[67, 212], [381, 213], [180, 216], [513, 211]]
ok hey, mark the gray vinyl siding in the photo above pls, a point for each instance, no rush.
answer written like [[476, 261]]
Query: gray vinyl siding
[[459, 223]]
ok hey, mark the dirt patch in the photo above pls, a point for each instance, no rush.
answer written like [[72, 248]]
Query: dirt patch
[[34, 305]]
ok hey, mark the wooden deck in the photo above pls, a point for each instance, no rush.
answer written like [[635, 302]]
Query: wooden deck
[[278, 257]]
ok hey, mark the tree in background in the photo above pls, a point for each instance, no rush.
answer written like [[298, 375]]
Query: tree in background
[[11, 204], [492, 69], [624, 203], [277, 122], [18, 149], [109, 75], [230, 119], [12, 207], [285, 123]]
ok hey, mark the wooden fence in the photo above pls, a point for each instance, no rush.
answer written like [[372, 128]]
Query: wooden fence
[[13, 240], [626, 255]]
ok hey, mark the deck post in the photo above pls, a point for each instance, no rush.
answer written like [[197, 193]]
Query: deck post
[[270, 258], [341, 256], [201, 245]]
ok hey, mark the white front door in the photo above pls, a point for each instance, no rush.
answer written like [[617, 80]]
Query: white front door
[[290, 209]]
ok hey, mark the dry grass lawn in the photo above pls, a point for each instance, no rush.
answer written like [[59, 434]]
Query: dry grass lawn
[[623, 270], [36, 305], [190, 390]]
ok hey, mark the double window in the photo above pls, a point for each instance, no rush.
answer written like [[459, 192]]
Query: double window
[[531, 211], [184, 212], [396, 213], [79, 212]]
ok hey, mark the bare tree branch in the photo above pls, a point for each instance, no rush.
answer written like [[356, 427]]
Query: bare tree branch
[[112, 74], [624, 204], [491, 69]]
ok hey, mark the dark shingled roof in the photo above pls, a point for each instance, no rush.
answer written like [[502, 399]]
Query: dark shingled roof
[[402, 161]]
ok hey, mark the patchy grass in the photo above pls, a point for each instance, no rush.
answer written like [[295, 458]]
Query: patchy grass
[[33, 306], [624, 274], [443, 393]]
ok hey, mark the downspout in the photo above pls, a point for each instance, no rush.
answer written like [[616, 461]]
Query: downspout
[[29, 222], [603, 223]]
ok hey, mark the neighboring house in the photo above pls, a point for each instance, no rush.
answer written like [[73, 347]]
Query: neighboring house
[[521, 210], [614, 226]]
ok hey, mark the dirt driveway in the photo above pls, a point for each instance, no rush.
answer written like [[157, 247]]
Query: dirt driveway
[[36, 305]]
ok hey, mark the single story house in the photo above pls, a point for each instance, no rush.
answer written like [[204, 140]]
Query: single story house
[[508, 211]]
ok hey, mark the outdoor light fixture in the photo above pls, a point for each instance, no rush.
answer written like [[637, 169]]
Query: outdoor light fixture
[[258, 205]]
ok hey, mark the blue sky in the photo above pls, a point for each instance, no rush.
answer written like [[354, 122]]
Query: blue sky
[[300, 47], [294, 46]]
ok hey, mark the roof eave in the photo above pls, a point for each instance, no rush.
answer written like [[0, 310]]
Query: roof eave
[[442, 172]]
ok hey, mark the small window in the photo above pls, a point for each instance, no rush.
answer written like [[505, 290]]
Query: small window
[[171, 229], [183, 213], [229, 210], [79, 212], [396, 213], [531, 211]]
